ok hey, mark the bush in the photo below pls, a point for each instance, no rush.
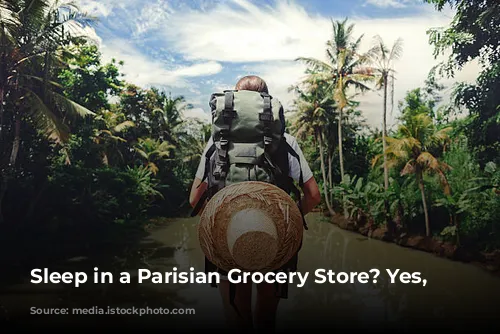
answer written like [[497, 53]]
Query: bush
[[90, 196]]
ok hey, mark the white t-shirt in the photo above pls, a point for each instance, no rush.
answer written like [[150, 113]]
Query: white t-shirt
[[292, 161]]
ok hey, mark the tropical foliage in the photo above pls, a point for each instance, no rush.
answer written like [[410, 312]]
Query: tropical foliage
[[434, 173], [80, 147], [68, 154]]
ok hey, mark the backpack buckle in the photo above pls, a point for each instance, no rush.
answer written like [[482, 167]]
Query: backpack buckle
[[224, 143], [228, 115], [219, 171], [266, 117], [223, 153], [222, 147], [267, 140]]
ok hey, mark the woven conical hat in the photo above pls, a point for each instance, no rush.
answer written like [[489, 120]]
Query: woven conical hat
[[251, 226]]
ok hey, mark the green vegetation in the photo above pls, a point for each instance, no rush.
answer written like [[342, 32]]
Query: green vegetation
[[81, 149], [437, 173], [70, 158]]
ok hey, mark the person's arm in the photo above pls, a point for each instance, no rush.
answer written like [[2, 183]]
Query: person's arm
[[197, 190], [310, 189], [312, 196]]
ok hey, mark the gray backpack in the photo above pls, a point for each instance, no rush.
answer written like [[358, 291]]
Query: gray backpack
[[248, 143]]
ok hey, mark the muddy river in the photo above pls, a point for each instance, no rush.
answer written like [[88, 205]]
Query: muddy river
[[455, 294]]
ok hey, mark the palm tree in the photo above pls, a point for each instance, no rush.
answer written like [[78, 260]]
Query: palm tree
[[194, 143], [170, 117], [418, 138], [343, 70], [383, 57], [109, 137], [313, 115], [32, 35], [153, 151]]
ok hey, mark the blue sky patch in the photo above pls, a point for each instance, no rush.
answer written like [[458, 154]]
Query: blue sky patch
[[196, 47]]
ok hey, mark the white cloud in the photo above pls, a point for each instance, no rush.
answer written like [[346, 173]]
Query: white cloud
[[249, 34], [139, 17], [152, 16], [197, 113], [266, 39], [145, 72], [217, 85], [389, 3], [272, 37], [279, 76], [95, 8], [103, 8], [196, 70]]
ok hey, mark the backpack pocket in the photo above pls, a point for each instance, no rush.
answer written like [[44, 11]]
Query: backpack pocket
[[245, 164]]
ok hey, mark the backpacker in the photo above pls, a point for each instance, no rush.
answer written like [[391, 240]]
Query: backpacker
[[248, 145]]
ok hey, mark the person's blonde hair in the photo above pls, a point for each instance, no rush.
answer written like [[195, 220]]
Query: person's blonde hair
[[253, 83]]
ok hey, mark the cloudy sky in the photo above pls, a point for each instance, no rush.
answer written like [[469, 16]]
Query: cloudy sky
[[196, 47]]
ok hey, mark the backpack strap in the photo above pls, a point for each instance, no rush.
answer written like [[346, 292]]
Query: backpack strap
[[296, 156], [267, 117], [222, 145], [208, 156], [301, 182], [286, 180], [207, 193]]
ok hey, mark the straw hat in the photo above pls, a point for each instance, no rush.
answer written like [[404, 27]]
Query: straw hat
[[251, 226]]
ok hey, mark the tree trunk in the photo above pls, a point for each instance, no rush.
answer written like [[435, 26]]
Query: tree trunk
[[7, 175], [388, 218], [4, 81], [424, 203], [323, 171], [341, 158], [384, 136], [341, 153], [2, 96], [330, 175]]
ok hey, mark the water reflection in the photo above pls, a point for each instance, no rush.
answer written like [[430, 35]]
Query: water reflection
[[454, 290]]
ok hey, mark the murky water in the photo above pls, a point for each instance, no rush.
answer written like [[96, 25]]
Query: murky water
[[456, 295], [455, 292]]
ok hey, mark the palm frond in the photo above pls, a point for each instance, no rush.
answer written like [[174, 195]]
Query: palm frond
[[356, 82], [46, 121], [153, 168], [70, 107], [315, 63], [444, 182], [165, 146], [397, 50], [409, 168], [428, 162], [36, 78], [123, 126], [142, 153], [441, 135], [402, 148], [9, 21], [376, 160]]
